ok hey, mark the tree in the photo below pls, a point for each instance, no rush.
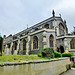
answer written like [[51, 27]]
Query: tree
[[1, 45]]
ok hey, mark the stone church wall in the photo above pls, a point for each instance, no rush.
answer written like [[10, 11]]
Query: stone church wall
[[40, 43]]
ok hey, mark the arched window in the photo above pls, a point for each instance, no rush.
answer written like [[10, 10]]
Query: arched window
[[24, 44], [51, 41], [15, 45], [47, 26], [36, 29], [8, 45], [35, 42], [61, 29], [72, 44], [14, 37]]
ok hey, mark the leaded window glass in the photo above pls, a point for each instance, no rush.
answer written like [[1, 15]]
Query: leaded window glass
[[15, 45], [47, 26], [51, 40], [72, 44], [35, 42], [24, 44]]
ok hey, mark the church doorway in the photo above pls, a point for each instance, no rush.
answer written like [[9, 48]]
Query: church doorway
[[61, 49]]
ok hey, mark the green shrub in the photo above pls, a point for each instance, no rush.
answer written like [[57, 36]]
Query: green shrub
[[73, 65], [49, 57], [48, 52], [57, 54], [39, 55], [69, 54]]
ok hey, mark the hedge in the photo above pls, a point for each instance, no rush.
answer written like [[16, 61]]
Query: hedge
[[39, 55], [57, 54], [69, 54]]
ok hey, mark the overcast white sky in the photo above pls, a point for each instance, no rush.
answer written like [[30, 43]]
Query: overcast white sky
[[16, 14]]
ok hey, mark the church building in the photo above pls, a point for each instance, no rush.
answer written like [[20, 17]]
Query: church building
[[52, 32]]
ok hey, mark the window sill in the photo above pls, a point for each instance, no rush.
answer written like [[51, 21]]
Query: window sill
[[72, 50], [34, 49]]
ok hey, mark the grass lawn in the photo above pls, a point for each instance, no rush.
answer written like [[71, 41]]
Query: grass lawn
[[18, 58]]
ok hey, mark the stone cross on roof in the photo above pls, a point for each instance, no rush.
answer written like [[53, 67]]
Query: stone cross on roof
[[53, 13]]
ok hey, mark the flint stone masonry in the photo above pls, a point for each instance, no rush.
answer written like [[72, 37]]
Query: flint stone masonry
[[35, 67], [52, 32]]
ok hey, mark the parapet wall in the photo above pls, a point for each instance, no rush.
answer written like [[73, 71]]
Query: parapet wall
[[36, 67]]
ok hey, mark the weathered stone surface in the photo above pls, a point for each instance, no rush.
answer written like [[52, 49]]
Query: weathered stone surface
[[36, 67], [54, 26]]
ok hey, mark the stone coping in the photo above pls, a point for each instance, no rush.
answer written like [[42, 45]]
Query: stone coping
[[66, 36], [32, 61]]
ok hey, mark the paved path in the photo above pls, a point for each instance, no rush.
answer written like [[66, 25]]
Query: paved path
[[70, 72]]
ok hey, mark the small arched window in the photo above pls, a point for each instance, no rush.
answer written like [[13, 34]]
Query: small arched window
[[36, 29], [51, 41], [35, 42], [46, 26], [72, 44], [14, 37]]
